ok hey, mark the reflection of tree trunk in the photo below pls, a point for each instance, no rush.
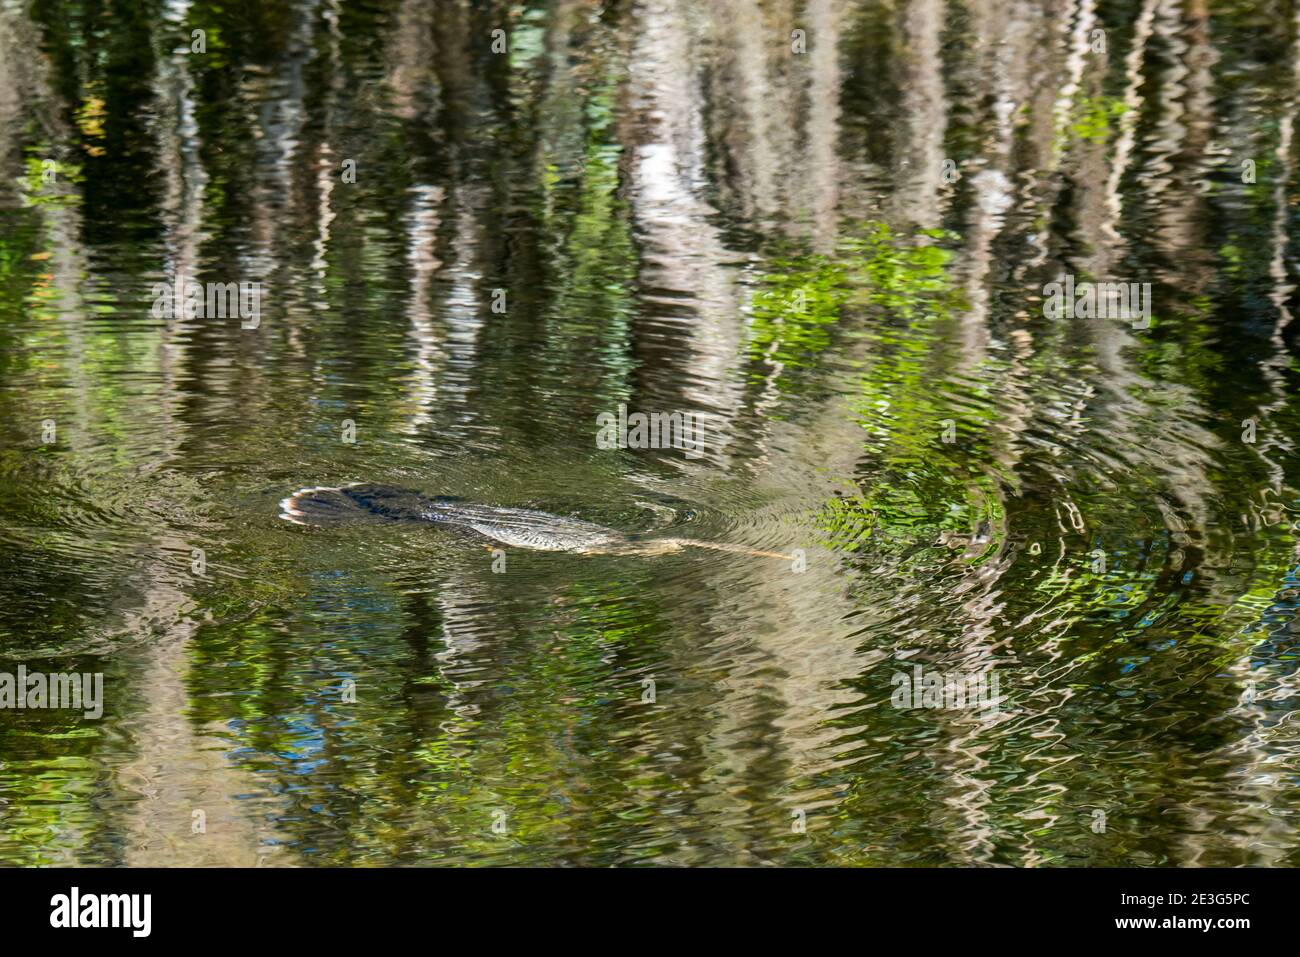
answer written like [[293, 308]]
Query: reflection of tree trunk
[[24, 95], [329, 168], [1274, 368], [412, 54], [750, 136], [430, 359], [1110, 238], [178, 770], [26, 98], [461, 309], [1177, 165], [1052, 81], [451, 265], [1256, 769], [823, 119], [682, 267], [1174, 454], [1097, 176], [185, 178], [281, 118], [691, 299], [1005, 80], [783, 683], [1076, 32], [925, 112]]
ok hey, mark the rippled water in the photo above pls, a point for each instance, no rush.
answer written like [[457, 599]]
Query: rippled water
[[681, 213]]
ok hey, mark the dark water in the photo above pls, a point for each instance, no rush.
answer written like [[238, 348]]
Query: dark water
[[683, 214]]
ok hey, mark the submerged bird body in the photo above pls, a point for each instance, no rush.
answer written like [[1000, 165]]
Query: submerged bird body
[[515, 527], [526, 528]]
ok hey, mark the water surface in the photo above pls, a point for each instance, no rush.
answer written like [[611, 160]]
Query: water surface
[[683, 214]]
